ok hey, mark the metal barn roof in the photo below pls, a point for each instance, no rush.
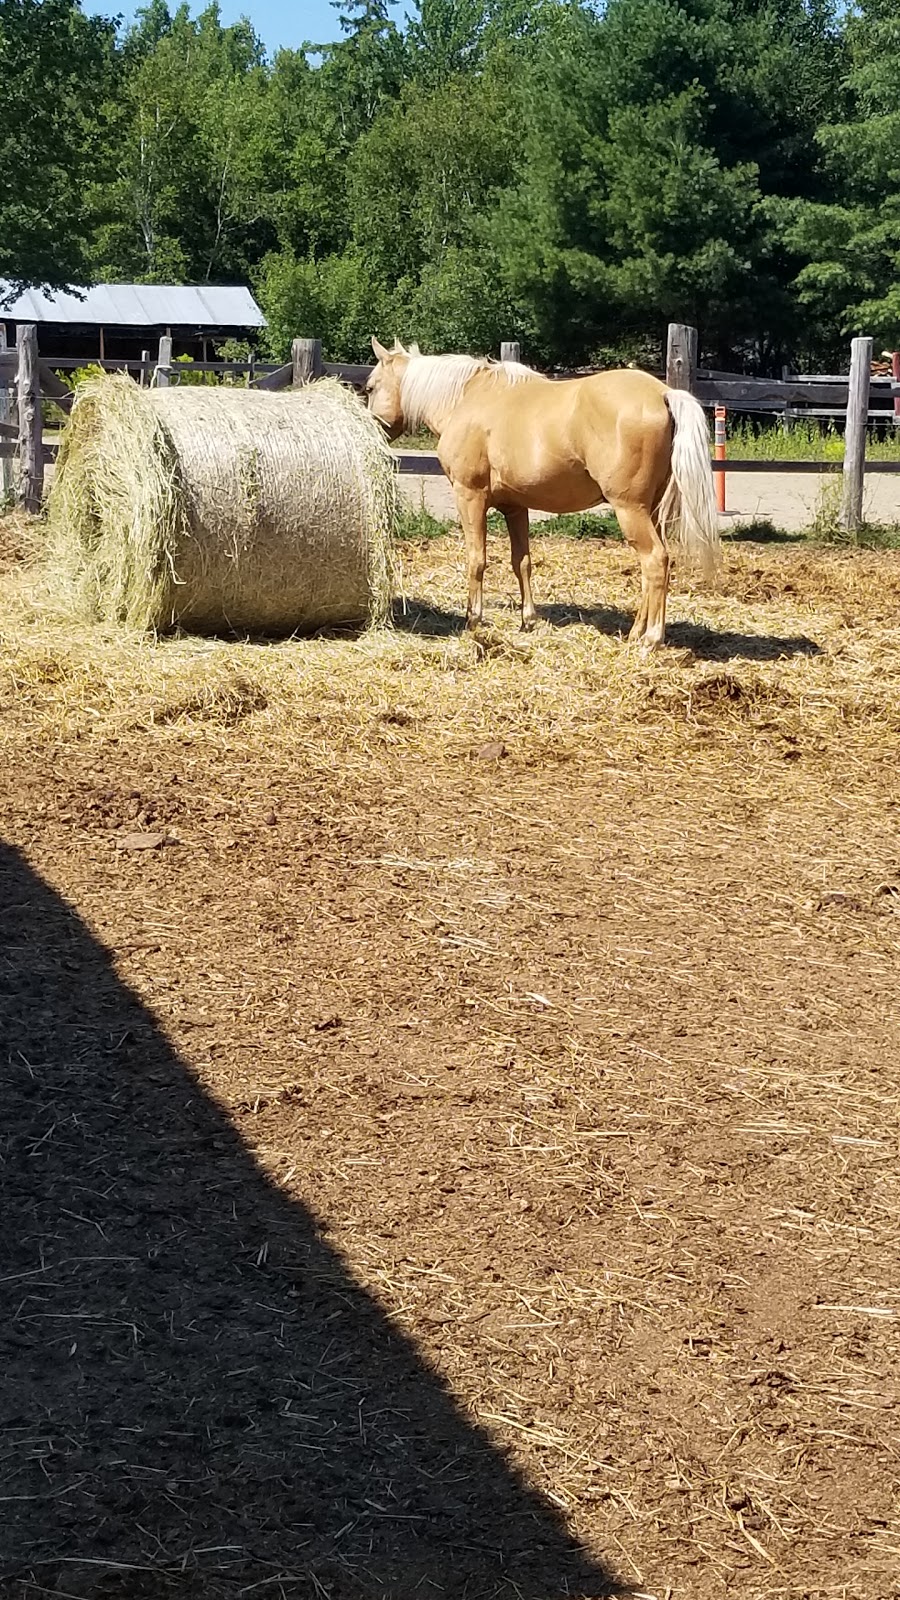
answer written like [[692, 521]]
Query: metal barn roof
[[138, 305]]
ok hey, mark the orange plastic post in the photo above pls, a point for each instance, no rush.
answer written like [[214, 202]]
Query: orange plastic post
[[720, 456]]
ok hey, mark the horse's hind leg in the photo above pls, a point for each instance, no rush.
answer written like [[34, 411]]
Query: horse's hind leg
[[642, 534], [472, 505], [516, 518]]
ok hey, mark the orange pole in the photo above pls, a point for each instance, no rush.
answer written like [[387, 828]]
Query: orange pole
[[720, 456]]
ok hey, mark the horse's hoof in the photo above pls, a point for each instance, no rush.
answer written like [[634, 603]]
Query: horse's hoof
[[529, 624]]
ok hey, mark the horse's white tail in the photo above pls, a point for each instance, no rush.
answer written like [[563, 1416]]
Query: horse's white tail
[[687, 511]]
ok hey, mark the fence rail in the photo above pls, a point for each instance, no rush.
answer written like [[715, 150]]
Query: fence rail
[[32, 379]]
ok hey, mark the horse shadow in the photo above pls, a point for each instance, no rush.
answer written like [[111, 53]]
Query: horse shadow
[[704, 643], [196, 1398]]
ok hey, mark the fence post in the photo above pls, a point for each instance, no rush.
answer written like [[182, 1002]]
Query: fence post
[[31, 452], [144, 374], [681, 356], [6, 474], [306, 360], [895, 385], [164, 362], [855, 434], [511, 350]]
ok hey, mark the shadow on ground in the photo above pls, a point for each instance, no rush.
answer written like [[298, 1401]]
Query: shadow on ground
[[706, 644], [762, 532], [196, 1399]]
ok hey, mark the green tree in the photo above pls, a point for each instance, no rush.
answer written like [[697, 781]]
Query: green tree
[[57, 69], [851, 277], [365, 70], [446, 38], [659, 135], [185, 199], [303, 186], [336, 298], [450, 153]]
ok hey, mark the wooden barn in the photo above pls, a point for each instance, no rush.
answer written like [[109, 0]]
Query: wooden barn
[[116, 321]]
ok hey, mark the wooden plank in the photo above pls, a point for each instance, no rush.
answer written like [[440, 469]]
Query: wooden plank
[[425, 464], [234, 369], [163, 372], [713, 375], [510, 350], [855, 434], [875, 378], [8, 429], [144, 374], [419, 463], [281, 378], [838, 412], [9, 451], [127, 363], [816, 467], [681, 356], [31, 458], [760, 391], [54, 388], [306, 360], [354, 373]]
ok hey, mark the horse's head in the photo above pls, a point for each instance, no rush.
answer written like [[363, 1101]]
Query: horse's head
[[383, 388]]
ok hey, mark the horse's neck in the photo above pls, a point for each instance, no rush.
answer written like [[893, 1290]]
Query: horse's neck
[[432, 387]]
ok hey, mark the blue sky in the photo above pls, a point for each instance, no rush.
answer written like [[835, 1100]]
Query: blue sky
[[278, 22]]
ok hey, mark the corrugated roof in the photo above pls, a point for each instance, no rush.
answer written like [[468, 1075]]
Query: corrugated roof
[[139, 305]]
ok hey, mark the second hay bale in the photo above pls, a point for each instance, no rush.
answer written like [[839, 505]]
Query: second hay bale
[[223, 510]]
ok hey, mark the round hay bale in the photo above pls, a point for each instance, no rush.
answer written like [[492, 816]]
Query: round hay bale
[[221, 509]]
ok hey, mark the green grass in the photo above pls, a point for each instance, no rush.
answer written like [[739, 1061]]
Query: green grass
[[416, 523], [578, 525], [761, 530], [871, 536], [422, 440], [801, 441]]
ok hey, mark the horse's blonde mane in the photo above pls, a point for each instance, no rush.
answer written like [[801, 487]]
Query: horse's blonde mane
[[435, 383]]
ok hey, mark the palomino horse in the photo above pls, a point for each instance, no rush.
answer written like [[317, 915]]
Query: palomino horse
[[513, 439]]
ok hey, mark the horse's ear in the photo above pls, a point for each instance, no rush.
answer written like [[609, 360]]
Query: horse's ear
[[379, 351], [414, 350]]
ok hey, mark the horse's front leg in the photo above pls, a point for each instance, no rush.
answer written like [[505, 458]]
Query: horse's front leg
[[472, 505], [520, 551]]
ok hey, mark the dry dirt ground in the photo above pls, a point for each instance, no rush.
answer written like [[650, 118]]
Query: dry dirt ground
[[449, 1139]]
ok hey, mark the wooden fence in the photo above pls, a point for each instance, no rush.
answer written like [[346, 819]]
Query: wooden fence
[[858, 398]]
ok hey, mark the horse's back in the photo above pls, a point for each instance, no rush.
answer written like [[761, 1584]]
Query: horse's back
[[555, 445], [612, 398]]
